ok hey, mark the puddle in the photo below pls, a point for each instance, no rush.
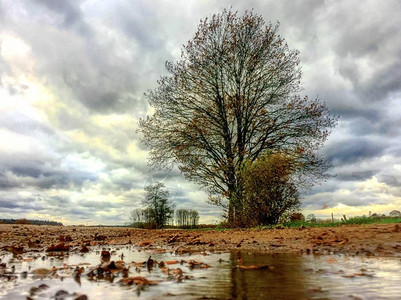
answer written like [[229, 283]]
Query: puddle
[[213, 276]]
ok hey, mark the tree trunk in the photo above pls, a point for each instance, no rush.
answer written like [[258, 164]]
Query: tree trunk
[[230, 212], [235, 205]]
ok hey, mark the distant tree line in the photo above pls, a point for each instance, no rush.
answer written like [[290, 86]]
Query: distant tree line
[[142, 218], [145, 218], [158, 211], [28, 221], [186, 218], [311, 218]]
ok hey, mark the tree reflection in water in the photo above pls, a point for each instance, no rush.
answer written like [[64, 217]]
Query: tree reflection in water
[[279, 277]]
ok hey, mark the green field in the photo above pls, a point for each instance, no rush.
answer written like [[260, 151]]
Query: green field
[[350, 221]]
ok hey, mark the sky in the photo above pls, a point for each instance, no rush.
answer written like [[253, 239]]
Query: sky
[[73, 76]]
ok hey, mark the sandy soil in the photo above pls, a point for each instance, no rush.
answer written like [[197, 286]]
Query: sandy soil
[[365, 240]]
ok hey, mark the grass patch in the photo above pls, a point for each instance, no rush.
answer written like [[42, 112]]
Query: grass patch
[[350, 221], [307, 224], [210, 229]]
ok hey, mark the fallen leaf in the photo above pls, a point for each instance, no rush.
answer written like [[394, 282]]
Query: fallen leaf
[[16, 250], [58, 247], [105, 254], [42, 272], [138, 280], [254, 267], [176, 271], [331, 260], [61, 294], [32, 244], [145, 243], [28, 259], [251, 267], [84, 249]]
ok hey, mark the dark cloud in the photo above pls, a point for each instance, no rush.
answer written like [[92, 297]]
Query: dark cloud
[[25, 125], [20, 204], [43, 169], [20, 177], [356, 175], [70, 13], [139, 23], [390, 180], [97, 205], [363, 50], [352, 150]]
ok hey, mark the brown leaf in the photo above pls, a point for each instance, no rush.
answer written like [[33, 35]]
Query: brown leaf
[[42, 272], [251, 267], [16, 250], [105, 254], [32, 244], [331, 260], [28, 259], [254, 267], [58, 247], [177, 271], [84, 249], [138, 280], [145, 243]]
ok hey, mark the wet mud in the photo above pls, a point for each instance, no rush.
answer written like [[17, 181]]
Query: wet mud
[[73, 262]]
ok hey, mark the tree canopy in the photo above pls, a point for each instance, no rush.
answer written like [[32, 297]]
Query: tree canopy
[[159, 209], [232, 97], [269, 190]]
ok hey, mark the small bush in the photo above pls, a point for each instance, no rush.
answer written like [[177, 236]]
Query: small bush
[[311, 218], [297, 217], [395, 213], [22, 221], [269, 191]]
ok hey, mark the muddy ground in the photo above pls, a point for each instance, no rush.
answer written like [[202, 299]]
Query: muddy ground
[[365, 240]]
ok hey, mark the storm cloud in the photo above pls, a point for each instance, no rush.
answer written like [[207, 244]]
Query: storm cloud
[[73, 76]]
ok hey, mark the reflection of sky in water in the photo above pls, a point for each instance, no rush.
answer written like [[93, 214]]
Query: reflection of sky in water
[[289, 277]]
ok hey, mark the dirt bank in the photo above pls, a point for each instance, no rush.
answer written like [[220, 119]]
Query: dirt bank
[[365, 240]]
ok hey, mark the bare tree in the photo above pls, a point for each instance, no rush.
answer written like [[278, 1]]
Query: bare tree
[[181, 216], [232, 97], [142, 218], [194, 218], [136, 219], [186, 218]]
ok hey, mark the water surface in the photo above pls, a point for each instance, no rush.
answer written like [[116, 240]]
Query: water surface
[[230, 276]]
